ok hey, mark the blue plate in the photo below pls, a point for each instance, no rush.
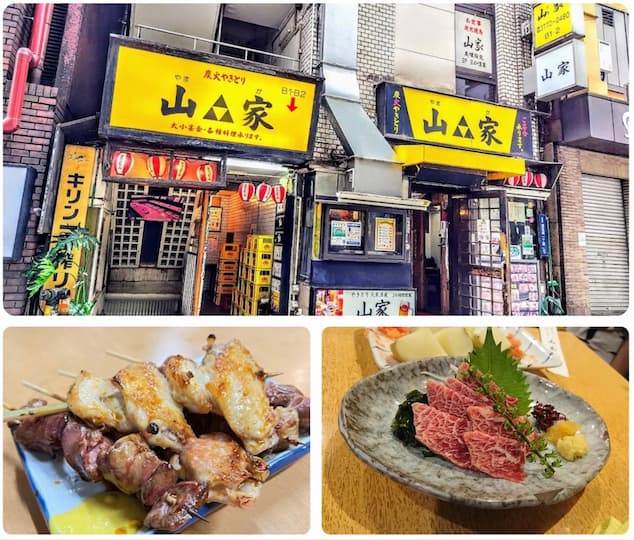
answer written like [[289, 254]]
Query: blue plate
[[58, 488]]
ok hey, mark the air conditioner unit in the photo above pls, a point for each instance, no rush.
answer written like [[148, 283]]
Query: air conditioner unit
[[526, 29], [605, 56]]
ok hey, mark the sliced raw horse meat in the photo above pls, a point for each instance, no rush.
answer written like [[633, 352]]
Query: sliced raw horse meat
[[496, 456], [442, 433], [466, 390], [485, 419], [447, 400]]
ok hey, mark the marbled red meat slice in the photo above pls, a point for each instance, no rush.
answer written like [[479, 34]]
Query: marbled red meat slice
[[447, 400], [500, 457], [485, 419], [442, 433], [464, 389]]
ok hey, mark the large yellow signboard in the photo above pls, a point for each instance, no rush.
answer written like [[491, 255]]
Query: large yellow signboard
[[182, 97], [551, 22], [71, 207]]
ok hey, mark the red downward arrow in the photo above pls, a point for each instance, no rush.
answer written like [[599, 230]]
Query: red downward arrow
[[292, 106]]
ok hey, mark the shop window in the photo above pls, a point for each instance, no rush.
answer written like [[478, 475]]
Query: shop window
[[353, 232], [475, 51], [612, 28]]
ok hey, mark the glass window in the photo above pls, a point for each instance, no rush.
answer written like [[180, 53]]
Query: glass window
[[475, 89]]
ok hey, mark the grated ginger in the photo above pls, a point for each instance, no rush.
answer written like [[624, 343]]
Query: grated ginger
[[572, 447], [562, 428]]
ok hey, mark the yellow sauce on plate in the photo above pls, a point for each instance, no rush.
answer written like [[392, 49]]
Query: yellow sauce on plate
[[111, 512]]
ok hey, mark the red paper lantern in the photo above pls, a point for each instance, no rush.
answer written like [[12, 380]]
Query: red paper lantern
[[122, 163], [513, 181], [263, 192], [540, 180], [156, 166], [206, 172], [246, 191], [179, 166], [278, 193], [527, 179]]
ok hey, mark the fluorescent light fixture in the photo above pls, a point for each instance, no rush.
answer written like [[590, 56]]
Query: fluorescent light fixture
[[382, 200], [253, 167]]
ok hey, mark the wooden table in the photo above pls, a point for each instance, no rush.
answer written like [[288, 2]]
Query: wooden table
[[36, 354], [359, 500]]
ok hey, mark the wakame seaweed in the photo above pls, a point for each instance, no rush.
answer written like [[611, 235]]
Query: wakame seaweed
[[403, 423]]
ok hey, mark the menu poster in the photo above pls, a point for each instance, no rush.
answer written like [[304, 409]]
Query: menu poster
[[524, 289], [385, 234], [345, 233]]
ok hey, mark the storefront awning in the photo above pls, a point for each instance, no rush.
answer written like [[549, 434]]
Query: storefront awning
[[495, 167]]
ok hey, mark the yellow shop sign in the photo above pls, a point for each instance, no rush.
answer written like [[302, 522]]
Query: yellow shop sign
[[71, 207], [551, 22], [177, 97], [444, 120]]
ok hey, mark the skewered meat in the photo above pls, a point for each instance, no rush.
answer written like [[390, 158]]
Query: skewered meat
[[286, 395], [83, 448], [237, 384], [41, 433], [286, 427], [88, 451], [171, 511], [98, 402], [232, 475], [187, 382], [151, 408]]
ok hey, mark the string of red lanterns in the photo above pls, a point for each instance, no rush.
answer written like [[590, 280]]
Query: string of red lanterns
[[528, 179], [263, 192]]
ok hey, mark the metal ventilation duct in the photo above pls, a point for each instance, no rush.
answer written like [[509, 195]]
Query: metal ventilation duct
[[375, 171]]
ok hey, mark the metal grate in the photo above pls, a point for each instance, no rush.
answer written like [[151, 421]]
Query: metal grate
[[608, 17], [127, 235], [176, 233], [54, 44], [141, 304]]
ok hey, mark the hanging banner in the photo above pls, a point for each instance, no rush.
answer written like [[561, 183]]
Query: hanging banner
[[71, 208], [193, 99], [441, 119]]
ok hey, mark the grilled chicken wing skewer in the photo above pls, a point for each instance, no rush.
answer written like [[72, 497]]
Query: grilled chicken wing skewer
[[99, 403], [187, 380], [151, 408], [231, 474], [237, 384]]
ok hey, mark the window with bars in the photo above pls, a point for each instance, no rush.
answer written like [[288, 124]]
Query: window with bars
[[128, 235]]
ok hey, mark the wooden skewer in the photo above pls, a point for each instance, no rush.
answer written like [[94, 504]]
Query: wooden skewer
[[43, 390], [31, 412], [67, 373], [7, 406], [124, 357], [171, 500]]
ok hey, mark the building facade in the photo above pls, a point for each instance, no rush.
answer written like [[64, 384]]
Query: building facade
[[433, 178]]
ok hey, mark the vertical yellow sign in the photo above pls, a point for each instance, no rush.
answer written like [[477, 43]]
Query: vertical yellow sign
[[71, 207]]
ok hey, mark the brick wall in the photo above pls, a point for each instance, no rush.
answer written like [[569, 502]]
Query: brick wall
[[29, 145], [572, 223], [14, 29]]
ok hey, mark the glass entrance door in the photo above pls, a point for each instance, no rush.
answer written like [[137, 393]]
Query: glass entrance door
[[478, 237]]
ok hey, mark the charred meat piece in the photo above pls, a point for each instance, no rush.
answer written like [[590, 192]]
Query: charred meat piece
[[237, 384], [83, 448], [286, 395], [187, 381], [171, 511], [99, 403], [286, 427], [151, 408], [130, 463], [231, 474], [40, 433]]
